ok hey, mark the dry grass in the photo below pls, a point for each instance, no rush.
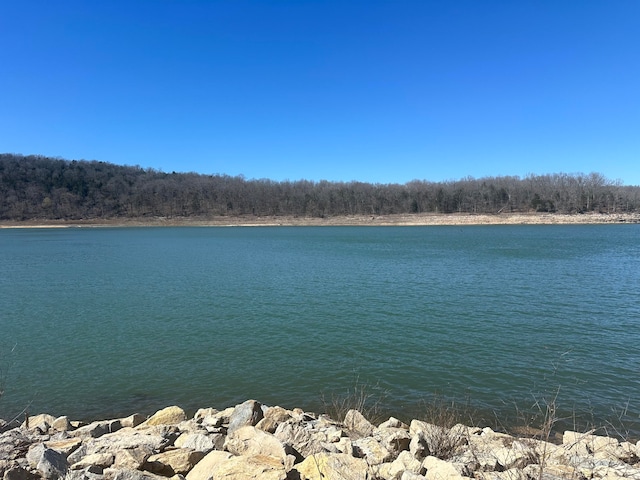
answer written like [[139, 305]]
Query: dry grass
[[366, 399]]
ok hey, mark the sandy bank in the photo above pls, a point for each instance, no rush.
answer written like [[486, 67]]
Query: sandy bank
[[355, 220]]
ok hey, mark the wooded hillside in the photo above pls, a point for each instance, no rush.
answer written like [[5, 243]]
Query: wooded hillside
[[37, 187]]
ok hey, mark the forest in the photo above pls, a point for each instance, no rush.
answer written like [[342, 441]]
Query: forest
[[38, 187]]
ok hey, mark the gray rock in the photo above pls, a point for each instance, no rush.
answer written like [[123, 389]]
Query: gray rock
[[247, 413], [51, 464], [14, 444], [19, 473]]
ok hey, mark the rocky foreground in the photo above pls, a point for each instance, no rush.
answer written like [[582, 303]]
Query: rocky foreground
[[255, 441]]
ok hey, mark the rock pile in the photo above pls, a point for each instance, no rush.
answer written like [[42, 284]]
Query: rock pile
[[255, 441]]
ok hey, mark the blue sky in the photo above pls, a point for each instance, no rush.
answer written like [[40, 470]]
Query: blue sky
[[374, 91]]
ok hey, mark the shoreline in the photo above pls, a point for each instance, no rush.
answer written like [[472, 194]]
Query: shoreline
[[430, 219], [252, 440]]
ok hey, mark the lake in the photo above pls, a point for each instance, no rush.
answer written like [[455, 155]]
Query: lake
[[104, 322]]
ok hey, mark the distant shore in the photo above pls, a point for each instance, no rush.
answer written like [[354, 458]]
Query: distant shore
[[350, 220]]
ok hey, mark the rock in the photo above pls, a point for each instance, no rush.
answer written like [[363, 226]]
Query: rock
[[210, 463], [132, 420], [167, 416], [202, 413], [404, 462], [61, 424], [97, 429], [273, 417], [14, 444], [371, 450], [251, 441], [325, 466], [518, 455], [171, 462], [42, 421], [19, 473], [440, 470], [200, 442], [51, 464], [65, 446], [250, 467], [132, 458], [357, 425], [247, 413], [100, 460], [126, 474], [394, 439], [406, 475], [303, 440], [393, 423]]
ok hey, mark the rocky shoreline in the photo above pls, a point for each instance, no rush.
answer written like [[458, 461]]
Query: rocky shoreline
[[252, 440], [417, 219]]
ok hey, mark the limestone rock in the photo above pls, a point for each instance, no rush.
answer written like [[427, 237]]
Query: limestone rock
[[200, 442], [100, 460], [250, 467], [202, 413], [247, 413], [518, 455], [325, 466], [126, 474], [440, 470], [371, 450], [51, 464], [42, 421], [393, 423], [303, 440], [171, 462], [132, 458], [393, 439], [61, 424], [97, 429], [355, 422], [167, 416], [132, 420], [252, 441], [404, 462], [210, 463], [273, 417], [14, 444]]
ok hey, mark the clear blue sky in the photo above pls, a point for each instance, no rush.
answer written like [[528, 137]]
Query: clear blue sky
[[375, 91]]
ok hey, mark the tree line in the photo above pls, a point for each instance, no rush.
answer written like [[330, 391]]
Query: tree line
[[39, 187]]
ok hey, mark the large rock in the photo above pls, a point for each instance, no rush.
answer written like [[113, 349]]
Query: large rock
[[325, 466], [200, 442], [171, 462], [14, 444], [167, 416], [440, 470], [252, 441], [210, 463], [247, 413], [249, 468], [357, 425], [126, 474], [42, 421], [51, 464], [99, 460]]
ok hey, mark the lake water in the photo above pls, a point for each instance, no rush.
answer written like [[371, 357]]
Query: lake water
[[103, 322]]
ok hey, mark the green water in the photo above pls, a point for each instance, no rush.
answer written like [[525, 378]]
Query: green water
[[105, 322]]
